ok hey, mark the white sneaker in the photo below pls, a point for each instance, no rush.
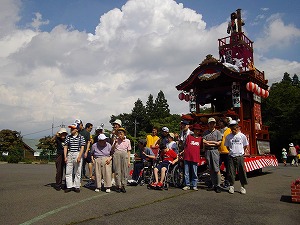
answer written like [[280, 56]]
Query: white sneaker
[[195, 188], [243, 190], [107, 190], [231, 189], [186, 188], [97, 190]]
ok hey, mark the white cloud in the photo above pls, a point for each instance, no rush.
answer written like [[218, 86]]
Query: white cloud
[[277, 35], [144, 47], [9, 16], [38, 21]]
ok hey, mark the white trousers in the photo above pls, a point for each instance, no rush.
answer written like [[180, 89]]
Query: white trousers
[[73, 170]]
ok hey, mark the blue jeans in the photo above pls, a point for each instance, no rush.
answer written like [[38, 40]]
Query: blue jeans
[[190, 167]]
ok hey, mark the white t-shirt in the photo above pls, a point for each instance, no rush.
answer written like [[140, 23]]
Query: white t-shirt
[[236, 144]]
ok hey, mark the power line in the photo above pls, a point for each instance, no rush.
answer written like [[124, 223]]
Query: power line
[[41, 131]]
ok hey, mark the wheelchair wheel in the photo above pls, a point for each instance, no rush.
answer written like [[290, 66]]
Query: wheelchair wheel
[[177, 176]]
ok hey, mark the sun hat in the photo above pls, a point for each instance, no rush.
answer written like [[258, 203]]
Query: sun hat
[[122, 129], [291, 145], [172, 135], [211, 119], [101, 137], [62, 130], [117, 121]]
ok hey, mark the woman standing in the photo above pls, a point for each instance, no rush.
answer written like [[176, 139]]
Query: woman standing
[[121, 159], [101, 157]]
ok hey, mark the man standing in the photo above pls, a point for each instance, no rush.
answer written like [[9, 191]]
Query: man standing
[[86, 133], [211, 141], [73, 150], [237, 143], [152, 139]]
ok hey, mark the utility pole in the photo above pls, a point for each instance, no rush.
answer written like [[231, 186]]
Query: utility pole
[[135, 123]]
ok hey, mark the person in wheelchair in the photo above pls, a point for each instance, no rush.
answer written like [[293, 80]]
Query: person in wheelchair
[[168, 157], [144, 155]]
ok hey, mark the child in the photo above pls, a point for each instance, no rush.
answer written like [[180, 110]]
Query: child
[[237, 143], [284, 156], [191, 157], [167, 156]]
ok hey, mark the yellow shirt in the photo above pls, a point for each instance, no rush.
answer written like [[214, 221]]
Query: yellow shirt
[[222, 148], [151, 140]]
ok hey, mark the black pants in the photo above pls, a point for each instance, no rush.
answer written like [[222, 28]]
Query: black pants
[[60, 165], [138, 166], [224, 158], [236, 164]]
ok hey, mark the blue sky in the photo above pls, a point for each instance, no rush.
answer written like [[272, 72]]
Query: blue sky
[[61, 60]]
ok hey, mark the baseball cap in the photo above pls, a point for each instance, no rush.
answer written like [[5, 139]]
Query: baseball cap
[[143, 141], [233, 122], [102, 137], [74, 126], [185, 122], [211, 119], [165, 129]]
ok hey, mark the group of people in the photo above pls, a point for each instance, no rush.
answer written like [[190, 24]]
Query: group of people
[[226, 145], [293, 154], [108, 158]]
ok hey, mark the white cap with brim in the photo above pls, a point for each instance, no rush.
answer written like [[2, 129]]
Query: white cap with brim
[[102, 137]]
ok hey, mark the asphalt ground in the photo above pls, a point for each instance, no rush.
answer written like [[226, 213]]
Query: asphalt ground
[[27, 197]]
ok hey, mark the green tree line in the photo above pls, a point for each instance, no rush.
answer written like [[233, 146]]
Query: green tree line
[[280, 111]]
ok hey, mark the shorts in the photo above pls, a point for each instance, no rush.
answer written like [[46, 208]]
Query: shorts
[[163, 164], [88, 159]]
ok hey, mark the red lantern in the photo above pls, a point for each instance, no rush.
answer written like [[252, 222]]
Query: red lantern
[[181, 96], [265, 94], [258, 91], [249, 86], [187, 97]]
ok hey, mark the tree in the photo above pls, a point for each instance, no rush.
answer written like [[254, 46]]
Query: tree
[[295, 80], [161, 106], [11, 142], [150, 108], [286, 78], [138, 115], [280, 112], [48, 147]]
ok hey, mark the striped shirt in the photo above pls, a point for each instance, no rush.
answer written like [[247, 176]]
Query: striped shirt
[[74, 142]]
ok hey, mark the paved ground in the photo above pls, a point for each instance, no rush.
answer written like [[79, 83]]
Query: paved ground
[[26, 196]]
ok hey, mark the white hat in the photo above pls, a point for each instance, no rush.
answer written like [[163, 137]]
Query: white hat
[[62, 130], [117, 121], [99, 128], [291, 144], [165, 129], [233, 122], [284, 150], [211, 119], [102, 137]]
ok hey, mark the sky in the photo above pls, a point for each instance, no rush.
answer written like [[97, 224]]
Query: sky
[[62, 60]]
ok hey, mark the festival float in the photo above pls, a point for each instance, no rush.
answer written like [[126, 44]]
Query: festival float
[[232, 87]]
